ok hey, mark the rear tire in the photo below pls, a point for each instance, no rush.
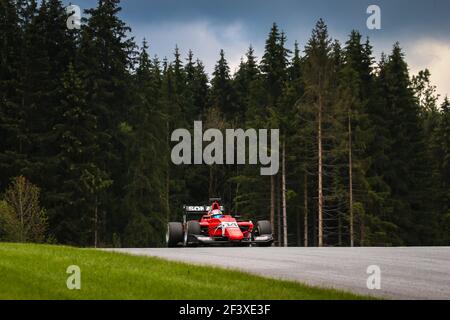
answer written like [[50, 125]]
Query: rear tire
[[174, 234]]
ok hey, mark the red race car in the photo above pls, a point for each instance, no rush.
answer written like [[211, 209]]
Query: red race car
[[216, 228]]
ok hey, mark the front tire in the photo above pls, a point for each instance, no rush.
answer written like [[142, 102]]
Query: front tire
[[174, 234], [264, 228], [192, 228]]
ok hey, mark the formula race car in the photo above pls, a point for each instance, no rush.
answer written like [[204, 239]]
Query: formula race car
[[216, 228]]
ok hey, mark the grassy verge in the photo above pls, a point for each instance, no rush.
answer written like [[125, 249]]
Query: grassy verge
[[39, 272]]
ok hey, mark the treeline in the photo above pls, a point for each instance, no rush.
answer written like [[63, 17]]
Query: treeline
[[87, 115]]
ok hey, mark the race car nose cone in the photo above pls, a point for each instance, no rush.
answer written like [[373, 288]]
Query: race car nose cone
[[234, 234]]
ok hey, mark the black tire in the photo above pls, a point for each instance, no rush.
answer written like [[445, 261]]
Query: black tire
[[174, 234], [263, 228], [192, 228]]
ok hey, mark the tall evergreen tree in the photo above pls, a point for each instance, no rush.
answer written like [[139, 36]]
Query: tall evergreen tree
[[12, 124], [243, 80], [318, 79], [274, 70], [222, 94], [405, 173], [196, 92], [78, 146], [274, 64], [440, 147], [145, 190], [105, 58]]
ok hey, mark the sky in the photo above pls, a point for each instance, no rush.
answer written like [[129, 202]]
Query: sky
[[206, 26]]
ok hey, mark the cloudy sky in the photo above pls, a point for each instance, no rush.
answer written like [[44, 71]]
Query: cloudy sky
[[206, 26]]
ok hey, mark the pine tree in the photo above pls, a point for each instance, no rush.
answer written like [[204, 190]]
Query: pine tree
[[379, 228], [356, 82], [247, 73], [274, 72], [440, 147], [317, 78], [274, 64], [78, 146], [179, 75], [247, 84], [192, 110], [201, 87], [11, 114], [47, 49], [177, 104], [296, 163], [222, 95], [295, 69], [145, 189], [34, 105], [105, 56], [405, 171], [427, 99], [196, 92]]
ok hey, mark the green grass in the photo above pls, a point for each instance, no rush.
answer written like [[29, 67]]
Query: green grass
[[39, 272]]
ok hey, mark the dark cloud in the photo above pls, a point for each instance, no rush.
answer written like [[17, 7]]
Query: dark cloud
[[167, 22]]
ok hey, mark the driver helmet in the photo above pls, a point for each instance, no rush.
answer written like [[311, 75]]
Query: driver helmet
[[215, 212]]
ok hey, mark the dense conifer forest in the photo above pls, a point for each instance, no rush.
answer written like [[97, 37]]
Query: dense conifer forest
[[86, 118]]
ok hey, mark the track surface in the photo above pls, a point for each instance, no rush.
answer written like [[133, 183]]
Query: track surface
[[406, 273]]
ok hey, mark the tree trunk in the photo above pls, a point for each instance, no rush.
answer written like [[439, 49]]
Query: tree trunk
[[95, 224], [168, 194], [362, 231], [272, 202], [283, 196], [320, 173], [168, 176], [305, 222], [235, 202], [350, 176], [22, 219], [339, 230], [279, 213]]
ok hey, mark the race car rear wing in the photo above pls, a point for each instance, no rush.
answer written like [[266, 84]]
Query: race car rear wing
[[198, 210]]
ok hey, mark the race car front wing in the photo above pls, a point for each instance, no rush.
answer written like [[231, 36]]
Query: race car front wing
[[206, 240]]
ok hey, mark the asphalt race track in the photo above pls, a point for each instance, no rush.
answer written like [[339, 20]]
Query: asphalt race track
[[406, 273]]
